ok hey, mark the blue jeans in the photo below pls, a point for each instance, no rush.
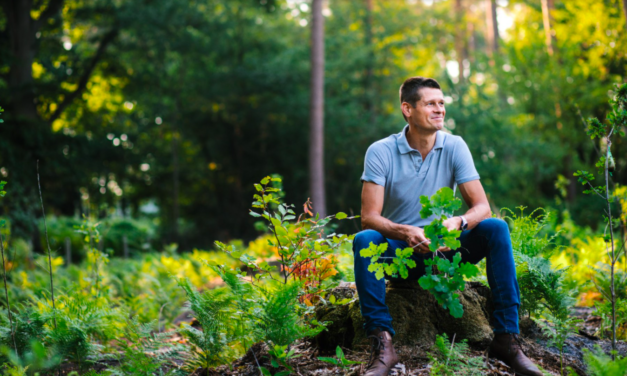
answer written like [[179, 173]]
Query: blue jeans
[[489, 239]]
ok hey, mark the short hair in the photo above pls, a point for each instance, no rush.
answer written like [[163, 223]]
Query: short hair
[[410, 89]]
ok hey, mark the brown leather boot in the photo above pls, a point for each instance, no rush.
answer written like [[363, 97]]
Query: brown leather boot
[[506, 347], [382, 354]]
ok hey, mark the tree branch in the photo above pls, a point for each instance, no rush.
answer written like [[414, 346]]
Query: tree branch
[[53, 7], [84, 79]]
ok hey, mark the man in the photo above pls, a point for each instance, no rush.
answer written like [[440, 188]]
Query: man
[[398, 170]]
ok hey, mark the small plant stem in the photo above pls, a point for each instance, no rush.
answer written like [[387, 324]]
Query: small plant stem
[[451, 350], [265, 206], [43, 212], [613, 260], [6, 293]]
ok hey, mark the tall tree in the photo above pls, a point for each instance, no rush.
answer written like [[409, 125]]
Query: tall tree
[[460, 48], [547, 6], [316, 115], [492, 30]]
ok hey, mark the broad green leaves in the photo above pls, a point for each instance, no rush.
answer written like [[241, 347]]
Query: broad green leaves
[[442, 203], [450, 279], [2, 191], [398, 265]]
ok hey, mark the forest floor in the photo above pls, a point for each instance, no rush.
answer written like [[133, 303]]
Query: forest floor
[[414, 361]]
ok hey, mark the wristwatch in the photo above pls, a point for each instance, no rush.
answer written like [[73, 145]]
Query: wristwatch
[[464, 225]]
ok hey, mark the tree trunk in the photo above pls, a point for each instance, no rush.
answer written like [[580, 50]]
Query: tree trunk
[[459, 39], [625, 12], [416, 315], [547, 5], [316, 136], [492, 27]]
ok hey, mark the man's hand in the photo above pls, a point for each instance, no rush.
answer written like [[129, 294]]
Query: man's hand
[[453, 223], [417, 240]]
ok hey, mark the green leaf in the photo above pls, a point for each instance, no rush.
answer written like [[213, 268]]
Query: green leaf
[[328, 360], [341, 215], [265, 180], [468, 270], [255, 214], [265, 371], [456, 309], [339, 353]]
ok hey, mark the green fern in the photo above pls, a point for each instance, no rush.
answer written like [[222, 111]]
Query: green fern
[[142, 351], [212, 344], [601, 364], [449, 359], [279, 322]]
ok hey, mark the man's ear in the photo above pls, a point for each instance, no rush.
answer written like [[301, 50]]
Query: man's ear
[[407, 109]]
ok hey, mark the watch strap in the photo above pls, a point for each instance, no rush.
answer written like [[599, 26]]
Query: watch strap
[[464, 225]]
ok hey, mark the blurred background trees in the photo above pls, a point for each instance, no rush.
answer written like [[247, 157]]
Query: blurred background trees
[[172, 109]]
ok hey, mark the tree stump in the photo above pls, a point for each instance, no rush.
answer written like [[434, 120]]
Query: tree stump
[[416, 317]]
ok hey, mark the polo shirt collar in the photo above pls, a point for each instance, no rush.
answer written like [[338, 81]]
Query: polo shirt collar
[[403, 145]]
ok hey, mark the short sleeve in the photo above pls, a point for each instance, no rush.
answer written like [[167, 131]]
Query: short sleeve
[[463, 164], [375, 165]]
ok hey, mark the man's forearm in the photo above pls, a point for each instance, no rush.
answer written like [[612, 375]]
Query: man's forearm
[[477, 214], [385, 227]]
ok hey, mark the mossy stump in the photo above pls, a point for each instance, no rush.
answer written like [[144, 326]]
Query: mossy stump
[[416, 316]]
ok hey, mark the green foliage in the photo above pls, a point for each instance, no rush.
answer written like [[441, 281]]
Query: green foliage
[[45, 336], [448, 359], [616, 121], [142, 351], [603, 308], [11, 370], [279, 321], [212, 344], [340, 360], [441, 205], [542, 287], [397, 265], [530, 233], [450, 279], [562, 325], [81, 323], [306, 254], [600, 364]]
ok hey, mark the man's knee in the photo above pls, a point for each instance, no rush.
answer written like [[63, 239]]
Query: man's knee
[[364, 238], [494, 226]]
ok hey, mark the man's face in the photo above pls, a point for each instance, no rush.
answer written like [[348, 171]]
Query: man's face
[[428, 113]]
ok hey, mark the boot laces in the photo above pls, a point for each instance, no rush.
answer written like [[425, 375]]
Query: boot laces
[[375, 348]]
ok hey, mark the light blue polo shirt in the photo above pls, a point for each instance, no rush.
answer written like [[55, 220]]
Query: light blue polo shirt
[[393, 164]]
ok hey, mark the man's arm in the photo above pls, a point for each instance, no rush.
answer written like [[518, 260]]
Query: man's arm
[[372, 196], [477, 201]]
